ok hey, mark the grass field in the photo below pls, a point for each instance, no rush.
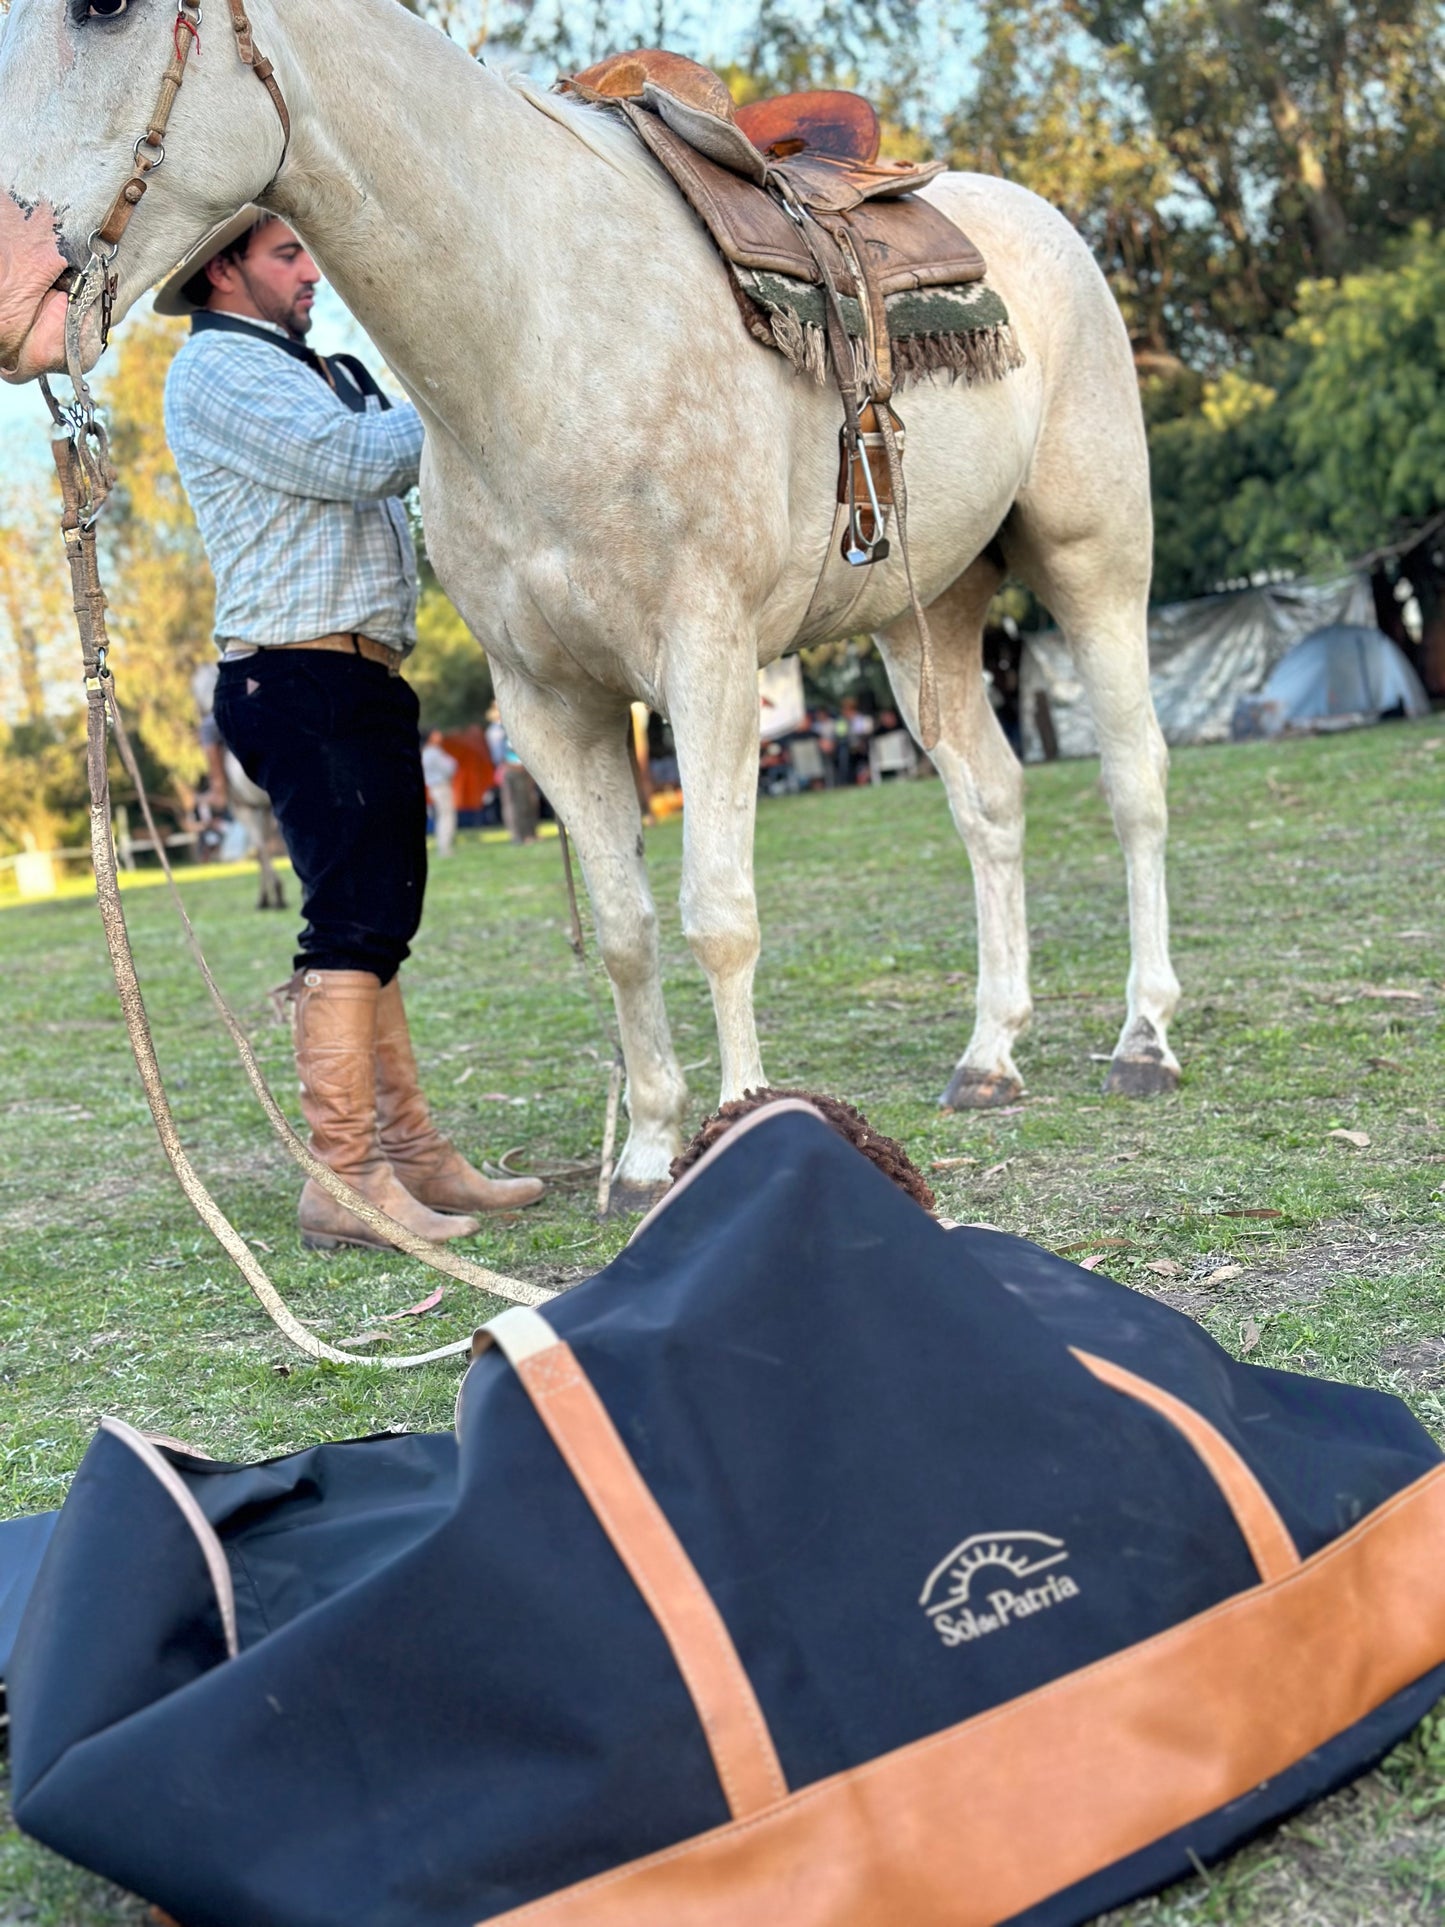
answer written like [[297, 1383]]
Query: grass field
[[1308, 927]]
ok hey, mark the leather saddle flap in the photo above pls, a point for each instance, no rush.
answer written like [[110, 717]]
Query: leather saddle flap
[[912, 244], [748, 225], [719, 140], [834, 185], [908, 243]]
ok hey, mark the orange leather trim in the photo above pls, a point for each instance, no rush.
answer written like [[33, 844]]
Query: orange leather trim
[[1265, 1533], [972, 1826], [737, 1735]]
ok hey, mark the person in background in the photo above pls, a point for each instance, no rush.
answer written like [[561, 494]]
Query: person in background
[[295, 466], [520, 802], [439, 769]]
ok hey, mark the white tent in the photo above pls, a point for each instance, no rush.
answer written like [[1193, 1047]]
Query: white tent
[[1346, 673]]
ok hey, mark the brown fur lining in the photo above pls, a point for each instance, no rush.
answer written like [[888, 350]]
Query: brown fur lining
[[890, 1157]]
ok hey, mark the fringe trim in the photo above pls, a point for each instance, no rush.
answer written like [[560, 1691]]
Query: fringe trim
[[983, 354], [979, 355], [806, 348]]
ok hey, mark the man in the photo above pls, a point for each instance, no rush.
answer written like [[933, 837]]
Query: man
[[439, 769], [294, 466]]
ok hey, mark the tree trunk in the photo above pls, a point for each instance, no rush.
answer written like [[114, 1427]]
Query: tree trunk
[[1424, 569]]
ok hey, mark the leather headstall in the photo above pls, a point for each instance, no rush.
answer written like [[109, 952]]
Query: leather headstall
[[150, 148]]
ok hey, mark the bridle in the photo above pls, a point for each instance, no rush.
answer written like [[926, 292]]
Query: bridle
[[94, 285]]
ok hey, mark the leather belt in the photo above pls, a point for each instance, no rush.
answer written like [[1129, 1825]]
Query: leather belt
[[349, 644]]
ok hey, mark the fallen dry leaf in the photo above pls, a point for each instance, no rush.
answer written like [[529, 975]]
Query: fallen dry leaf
[[1223, 1274], [1394, 996], [995, 1170], [1165, 1267], [1096, 1244], [1091, 1264], [429, 1303], [1359, 1139], [1250, 1336], [1250, 1214], [1125, 1157], [1384, 1064], [950, 1164]]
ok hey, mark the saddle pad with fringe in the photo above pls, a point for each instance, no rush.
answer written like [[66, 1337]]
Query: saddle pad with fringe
[[941, 315]]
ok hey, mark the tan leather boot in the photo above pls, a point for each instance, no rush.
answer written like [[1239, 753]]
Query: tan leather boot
[[336, 1056], [429, 1165]]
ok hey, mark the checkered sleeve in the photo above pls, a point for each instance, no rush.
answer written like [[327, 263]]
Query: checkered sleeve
[[270, 419]]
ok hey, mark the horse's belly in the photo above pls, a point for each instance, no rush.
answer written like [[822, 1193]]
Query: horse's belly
[[966, 455]]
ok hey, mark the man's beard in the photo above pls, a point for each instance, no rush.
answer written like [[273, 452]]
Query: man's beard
[[294, 319]]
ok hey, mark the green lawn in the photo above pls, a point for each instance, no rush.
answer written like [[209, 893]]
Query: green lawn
[[1306, 885]]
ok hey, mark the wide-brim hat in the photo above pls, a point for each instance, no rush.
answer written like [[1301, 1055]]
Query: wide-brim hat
[[170, 296]]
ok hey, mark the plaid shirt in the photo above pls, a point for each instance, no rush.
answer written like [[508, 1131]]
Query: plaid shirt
[[296, 496]]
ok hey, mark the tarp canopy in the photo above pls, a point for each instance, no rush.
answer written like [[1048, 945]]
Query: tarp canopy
[[1203, 656], [1340, 672]]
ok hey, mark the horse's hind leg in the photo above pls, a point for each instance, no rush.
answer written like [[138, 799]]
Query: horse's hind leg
[[1084, 546], [985, 793]]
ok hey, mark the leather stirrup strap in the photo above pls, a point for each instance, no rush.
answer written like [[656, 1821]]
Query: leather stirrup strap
[[567, 1404]]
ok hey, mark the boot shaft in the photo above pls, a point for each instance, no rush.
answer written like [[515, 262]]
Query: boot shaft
[[335, 1041]]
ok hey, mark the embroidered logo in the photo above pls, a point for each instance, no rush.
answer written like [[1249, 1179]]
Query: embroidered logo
[[964, 1606]]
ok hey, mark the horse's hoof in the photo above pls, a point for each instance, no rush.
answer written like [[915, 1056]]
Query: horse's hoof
[[971, 1090], [1146, 1076], [624, 1200]]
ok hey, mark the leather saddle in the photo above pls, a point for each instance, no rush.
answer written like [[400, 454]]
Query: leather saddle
[[742, 167], [825, 243]]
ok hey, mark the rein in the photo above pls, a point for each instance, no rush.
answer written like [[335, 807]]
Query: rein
[[80, 449]]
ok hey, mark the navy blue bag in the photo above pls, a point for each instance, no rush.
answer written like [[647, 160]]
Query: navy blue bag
[[811, 1561]]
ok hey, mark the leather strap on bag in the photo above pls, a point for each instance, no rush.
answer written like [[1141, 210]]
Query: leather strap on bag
[[567, 1404]]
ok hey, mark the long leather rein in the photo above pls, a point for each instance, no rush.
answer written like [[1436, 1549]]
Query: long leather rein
[[80, 449]]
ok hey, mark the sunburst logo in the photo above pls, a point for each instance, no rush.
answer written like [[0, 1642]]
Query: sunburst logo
[[964, 1606]]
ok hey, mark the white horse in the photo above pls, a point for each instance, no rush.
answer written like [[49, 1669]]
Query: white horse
[[626, 496], [251, 807]]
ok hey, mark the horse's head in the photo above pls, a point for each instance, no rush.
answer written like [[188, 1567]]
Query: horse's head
[[79, 82]]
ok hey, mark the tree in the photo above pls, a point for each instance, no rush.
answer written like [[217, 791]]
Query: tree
[[1217, 152], [35, 619], [42, 755], [1363, 424], [162, 598], [786, 44], [1046, 111]]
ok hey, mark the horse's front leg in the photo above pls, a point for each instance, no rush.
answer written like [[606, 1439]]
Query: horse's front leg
[[578, 753], [713, 709]]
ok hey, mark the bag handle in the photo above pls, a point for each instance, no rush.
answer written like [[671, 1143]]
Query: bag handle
[[567, 1403], [1273, 1550]]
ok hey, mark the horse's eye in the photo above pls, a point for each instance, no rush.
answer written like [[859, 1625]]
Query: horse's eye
[[107, 9]]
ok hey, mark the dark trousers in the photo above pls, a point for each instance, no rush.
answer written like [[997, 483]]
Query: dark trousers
[[332, 739]]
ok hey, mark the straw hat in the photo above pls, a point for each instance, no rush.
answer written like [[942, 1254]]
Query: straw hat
[[170, 298]]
